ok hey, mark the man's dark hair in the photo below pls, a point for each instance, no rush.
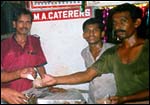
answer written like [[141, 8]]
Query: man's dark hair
[[92, 21], [21, 11], [135, 12]]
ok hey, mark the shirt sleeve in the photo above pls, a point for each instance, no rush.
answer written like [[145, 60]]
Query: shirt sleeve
[[42, 57], [39, 56], [103, 64]]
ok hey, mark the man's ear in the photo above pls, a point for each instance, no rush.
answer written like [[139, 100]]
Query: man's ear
[[102, 34], [137, 23], [83, 35]]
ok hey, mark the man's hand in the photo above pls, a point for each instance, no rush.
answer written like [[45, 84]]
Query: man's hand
[[110, 100], [116, 100], [48, 80], [24, 72], [12, 96]]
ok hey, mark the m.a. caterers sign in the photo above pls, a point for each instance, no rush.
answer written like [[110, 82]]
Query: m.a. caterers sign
[[62, 14]]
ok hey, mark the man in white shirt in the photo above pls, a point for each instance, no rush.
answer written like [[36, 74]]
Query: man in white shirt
[[104, 85]]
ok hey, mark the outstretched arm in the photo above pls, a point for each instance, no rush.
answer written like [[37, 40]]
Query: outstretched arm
[[79, 77]]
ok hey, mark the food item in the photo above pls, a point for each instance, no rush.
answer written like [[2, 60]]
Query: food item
[[56, 89]]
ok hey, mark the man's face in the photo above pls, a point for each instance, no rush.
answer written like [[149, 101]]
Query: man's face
[[92, 33], [23, 24], [123, 25]]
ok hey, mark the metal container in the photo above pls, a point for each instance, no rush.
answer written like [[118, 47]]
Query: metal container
[[71, 96]]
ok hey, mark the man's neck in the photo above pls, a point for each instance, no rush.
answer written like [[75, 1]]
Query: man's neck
[[95, 49], [132, 41], [21, 39], [96, 46]]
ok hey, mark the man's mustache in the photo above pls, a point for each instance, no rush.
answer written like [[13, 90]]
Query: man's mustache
[[120, 30]]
